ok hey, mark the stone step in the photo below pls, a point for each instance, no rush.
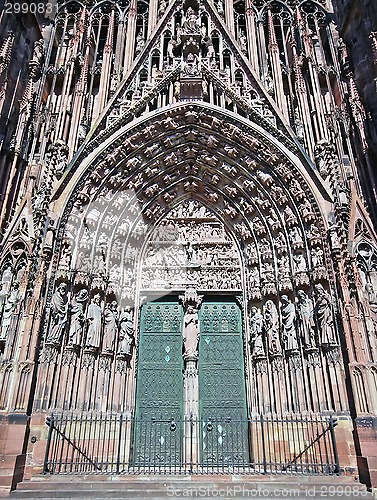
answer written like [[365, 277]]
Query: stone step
[[162, 488]]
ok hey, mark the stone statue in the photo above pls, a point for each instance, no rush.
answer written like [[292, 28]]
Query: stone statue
[[58, 156], [271, 324], [190, 24], [36, 61], [210, 49], [10, 305], [256, 329], [299, 263], [126, 332], [253, 275], [323, 154], [6, 281], [190, 331], [288, 316], [220, 7], [161, 8], [139, 43], [317, 257], [94, 318], [242, 41], [295, 237], [59, 315], [170, 48], [77, 318], [324, 315], [110, 330], [190, 67], [177, 89], [305, 310], [334, 238]]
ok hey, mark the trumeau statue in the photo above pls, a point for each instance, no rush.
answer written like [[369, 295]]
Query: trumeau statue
[[59, 315], [190, 331]]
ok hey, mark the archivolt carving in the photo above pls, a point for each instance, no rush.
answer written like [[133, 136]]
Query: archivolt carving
[[225, 218]]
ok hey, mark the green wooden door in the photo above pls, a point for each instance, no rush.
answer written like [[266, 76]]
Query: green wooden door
[[222, 394], [158, 423]]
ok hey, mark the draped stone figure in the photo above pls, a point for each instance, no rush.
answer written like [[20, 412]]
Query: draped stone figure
[[256, 330], [271, 324], [288, 316], [6, 281], [305, 310], [190, 331], [110, 330], [94, 318], [126, 332], [59, 315], [324, 315], [10, 305], [77, 318], [190, 23]]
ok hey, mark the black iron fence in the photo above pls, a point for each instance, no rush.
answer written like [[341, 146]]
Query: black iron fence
[[101, 443]]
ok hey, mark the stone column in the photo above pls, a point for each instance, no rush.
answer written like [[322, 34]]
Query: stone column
[[130, 36], [229, 15], [273, 48], [191, 409], [152, 19], [251, 35]]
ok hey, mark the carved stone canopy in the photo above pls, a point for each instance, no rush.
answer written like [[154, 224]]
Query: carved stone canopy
[[192, 298]]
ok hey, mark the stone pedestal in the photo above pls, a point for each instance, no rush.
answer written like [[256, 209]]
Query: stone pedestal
[[14, 429], [191, 409], [367, 463]]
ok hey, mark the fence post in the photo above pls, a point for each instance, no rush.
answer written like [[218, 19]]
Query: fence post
[[50, 423], [333, 423], [263, 445], [119, 441]]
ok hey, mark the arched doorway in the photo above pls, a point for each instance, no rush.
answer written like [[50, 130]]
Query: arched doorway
[[190, 396], [264, 200]]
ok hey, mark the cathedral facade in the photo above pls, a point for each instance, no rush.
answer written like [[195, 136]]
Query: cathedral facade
[[188, 262]]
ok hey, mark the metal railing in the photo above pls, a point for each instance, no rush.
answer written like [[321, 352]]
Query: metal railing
[[102, 443]]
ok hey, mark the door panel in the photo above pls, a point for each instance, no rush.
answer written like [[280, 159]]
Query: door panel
[[159, 385], [224, 433]]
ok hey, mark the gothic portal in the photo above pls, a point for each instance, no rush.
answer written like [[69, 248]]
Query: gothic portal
[[188, 267]]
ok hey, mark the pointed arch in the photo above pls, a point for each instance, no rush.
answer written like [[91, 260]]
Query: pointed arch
[[267, 197]]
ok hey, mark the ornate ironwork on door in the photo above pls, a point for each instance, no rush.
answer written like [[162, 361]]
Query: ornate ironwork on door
[[159, 385], [224, 432]]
